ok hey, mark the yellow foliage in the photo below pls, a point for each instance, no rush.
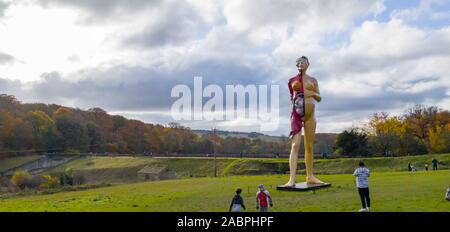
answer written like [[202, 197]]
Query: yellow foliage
[[61, 111], [52, 182], [437, 138], [19, 178], [382, 123]]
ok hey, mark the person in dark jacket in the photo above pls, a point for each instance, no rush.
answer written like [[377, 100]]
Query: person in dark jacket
[[435, 164], [237, 204]]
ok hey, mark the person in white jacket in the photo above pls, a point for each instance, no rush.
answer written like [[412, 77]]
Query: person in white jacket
[[447, 195], [362, 183]]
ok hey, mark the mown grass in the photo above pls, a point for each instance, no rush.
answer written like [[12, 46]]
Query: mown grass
[[390, 191]]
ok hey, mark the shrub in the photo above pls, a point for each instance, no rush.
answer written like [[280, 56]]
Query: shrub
[[72, 178], [66, 179], [51, 182], [19, 178]]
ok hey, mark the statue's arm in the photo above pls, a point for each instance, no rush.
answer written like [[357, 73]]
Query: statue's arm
[[316, 95], [291, 91]]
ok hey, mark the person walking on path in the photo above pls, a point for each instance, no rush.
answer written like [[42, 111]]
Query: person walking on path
[[362, 183]]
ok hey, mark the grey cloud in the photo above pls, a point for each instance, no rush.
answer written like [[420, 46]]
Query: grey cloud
[[170, 22], [97, 11], [379, 102], [264, 12], [436, 44], [6, 58], [3, 7], [176, 23], [124, 88], [12, 87]]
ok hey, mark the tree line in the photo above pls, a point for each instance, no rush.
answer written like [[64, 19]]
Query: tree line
[[420, 130], [41, 128], [45, 128]]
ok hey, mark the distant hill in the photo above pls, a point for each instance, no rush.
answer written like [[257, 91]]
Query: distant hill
[[250, 135]]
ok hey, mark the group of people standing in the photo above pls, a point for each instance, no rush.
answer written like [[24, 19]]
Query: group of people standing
[[434, 162], [362, 173], [264, 200]]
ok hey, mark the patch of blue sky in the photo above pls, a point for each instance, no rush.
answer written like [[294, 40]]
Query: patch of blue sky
[[437, 16], [394, 5], [336, 40]]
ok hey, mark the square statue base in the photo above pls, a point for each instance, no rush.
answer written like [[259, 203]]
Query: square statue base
[[303, 186]]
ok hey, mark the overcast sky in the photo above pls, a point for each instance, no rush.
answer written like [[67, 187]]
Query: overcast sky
[[125, 56]]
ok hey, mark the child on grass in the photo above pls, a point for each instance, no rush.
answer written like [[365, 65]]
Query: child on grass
[[237, 204]]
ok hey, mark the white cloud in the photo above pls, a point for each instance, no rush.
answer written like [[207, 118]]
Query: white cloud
[[363, 65]]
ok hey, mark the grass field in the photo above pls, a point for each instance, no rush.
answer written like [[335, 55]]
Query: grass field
[[390, 191]]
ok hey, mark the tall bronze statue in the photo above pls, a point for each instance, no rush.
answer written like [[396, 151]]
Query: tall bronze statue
[[304, 91]]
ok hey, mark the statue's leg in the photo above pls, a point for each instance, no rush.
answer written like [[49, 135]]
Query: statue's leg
[[293, 158], [310, 132]]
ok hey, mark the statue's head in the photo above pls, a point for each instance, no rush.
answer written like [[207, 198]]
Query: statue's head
[[302, 63]]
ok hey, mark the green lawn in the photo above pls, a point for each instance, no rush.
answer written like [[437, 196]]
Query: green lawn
[[390, 191]]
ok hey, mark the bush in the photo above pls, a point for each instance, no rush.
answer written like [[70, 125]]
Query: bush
[[19, 178], [66, 179], [51, 182], [72, 178], [23, 179]]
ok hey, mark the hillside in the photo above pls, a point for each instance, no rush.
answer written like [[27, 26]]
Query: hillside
[[13, 162], [124, 169]]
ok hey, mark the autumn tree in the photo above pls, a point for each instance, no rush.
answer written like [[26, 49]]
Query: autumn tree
[[40, 123]]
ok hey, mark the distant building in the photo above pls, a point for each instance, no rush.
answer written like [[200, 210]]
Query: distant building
[[155, 173]]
